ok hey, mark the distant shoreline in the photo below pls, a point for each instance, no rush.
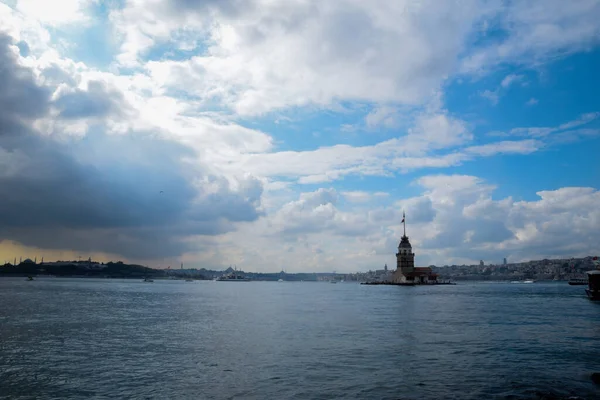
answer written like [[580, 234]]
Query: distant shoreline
[[180, 278]]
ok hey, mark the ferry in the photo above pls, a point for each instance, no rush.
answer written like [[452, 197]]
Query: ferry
[[233, 277], [593, 290]]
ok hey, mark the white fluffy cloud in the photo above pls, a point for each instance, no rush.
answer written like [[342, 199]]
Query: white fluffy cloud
[[454, 220], [55, 12], [264, 55], [280, 54], [537, 31]]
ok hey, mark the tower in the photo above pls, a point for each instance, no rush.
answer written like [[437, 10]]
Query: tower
[[405, 258]]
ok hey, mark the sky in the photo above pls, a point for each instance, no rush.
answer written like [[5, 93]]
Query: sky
[[293, 134]]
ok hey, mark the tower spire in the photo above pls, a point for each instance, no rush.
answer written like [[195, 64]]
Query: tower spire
[[404, 222]]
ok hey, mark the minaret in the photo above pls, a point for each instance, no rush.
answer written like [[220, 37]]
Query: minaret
[[405, 258]]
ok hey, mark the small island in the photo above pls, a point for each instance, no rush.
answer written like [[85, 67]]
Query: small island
[[406, 273]]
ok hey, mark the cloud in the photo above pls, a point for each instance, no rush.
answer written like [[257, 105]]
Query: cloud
[[419, 209], [277, 55], [97, 100], [55, 13], [567, 127], [85, 153], [20, 96], [532, 101], [385, 117], [492, 96], [536, 32], [103, 192], [358, 196], [262, 56], [415, 151], [510, 80], [455, 219]]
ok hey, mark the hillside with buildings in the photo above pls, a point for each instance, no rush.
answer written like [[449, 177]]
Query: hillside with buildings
[[546, 269], [87, 268], [556, 269]]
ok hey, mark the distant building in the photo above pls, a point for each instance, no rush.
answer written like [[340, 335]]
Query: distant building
[[504, 261], [481, 263], [405, 264]]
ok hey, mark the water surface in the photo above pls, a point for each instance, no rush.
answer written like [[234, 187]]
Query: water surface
[[94, 338]]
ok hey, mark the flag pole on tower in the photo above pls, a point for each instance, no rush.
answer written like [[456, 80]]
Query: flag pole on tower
[[404, 222]]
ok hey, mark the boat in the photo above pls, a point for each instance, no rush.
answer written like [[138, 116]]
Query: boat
[[593, 290], [29, 278], [148, 280], [189, 280], [333, 281], [529, 281], [233, 277], [578, 281], [280, 280]]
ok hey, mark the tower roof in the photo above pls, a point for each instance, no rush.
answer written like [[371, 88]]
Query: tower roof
[[404, 242]]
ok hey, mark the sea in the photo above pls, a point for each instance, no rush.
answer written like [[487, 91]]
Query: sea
[[170, 339]]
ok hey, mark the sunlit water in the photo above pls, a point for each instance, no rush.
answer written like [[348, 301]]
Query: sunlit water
[[92, 338]]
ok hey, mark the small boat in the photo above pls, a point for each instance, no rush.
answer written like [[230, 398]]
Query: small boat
[[29, 278], [280, 280], [189, 280], [578, 281], [148, 280], [332, 281], [529, 281]]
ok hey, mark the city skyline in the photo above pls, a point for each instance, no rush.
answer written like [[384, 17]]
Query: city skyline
[[293, 135]]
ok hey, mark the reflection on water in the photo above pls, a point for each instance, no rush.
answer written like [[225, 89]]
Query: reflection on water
[[74, 338]]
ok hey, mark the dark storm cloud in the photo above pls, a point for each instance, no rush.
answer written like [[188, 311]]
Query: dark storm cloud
[[20, 96], [102, 192], [97, 101]]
